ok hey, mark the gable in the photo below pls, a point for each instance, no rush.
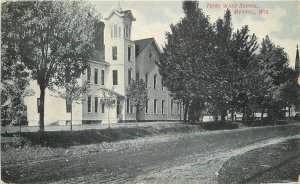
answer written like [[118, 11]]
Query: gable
[[121, 14], [143, 44]]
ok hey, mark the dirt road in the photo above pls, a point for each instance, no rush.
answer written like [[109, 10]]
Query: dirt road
[[188, 158]]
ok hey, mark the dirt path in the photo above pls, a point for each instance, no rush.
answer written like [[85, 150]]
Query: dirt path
[[186, 157], [204, 168]]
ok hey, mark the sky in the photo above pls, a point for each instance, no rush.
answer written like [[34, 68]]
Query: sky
[[280, 20]]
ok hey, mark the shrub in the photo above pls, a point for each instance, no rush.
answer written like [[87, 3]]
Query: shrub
[[218, 125], [14, 141]]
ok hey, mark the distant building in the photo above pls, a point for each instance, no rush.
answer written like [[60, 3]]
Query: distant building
[[117, 60]]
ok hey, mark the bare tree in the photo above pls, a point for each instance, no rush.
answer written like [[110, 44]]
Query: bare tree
[[72, 92], [109, 101]]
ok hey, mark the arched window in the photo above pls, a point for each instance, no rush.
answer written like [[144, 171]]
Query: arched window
[[154, 81], [126, 31], [115, 31], [111, 32], [129, 32], [129, 75], [146, 80]]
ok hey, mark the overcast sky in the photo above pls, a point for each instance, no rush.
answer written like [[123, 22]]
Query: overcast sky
[[153, 18]]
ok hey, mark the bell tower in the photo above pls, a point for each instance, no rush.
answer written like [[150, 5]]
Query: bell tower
[[119, 49]]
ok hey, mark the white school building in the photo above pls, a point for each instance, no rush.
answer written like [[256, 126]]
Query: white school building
[[117, 59]]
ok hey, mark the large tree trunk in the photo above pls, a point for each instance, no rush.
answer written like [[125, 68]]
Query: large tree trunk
[[243, 112], [223, 115], [195, 110], [71, 115], [42, 108], [262, 114], [289, 112]]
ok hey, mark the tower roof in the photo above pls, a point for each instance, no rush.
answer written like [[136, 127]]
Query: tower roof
[[121, 14]]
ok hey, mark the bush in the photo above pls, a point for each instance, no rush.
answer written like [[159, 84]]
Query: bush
[[218, 125], [297, 117], [265, 122], [14, 141]]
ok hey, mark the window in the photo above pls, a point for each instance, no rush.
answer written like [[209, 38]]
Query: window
[[38, 101], [111, 32], [146, 110], [96, 76], [118, 106], [103, 107], [115, 31], [68, 105], [178, 108], [129, 32], [89, 104], [88, 73], [129, 53], [137, 50], [146, 80], [115, 77], [96, 104], [162, 84], [102, 77], [128, 105], [126, 31], [172, 107], [114, 53], [155, 106], [162, 106], [119, 32], [154, 82], [131, 108], [129, 75], [137, 76]]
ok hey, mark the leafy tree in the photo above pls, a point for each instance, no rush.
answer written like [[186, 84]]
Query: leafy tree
[[51, 38], [273, 59], [14, 75], [221, 91], [72, 92], [137, 94], [234, 53], [185, 62], [13, 92]]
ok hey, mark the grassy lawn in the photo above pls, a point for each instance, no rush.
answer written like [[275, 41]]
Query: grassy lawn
[[72, 138], [28, 146]]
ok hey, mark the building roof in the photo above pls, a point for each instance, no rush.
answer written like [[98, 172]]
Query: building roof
[[110, 92], [98, 56], [121, 13], [140, 45]]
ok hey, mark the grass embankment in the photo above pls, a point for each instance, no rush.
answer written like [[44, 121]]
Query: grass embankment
[[264, 122], [72, 138], [25, 147], [274, 163]]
